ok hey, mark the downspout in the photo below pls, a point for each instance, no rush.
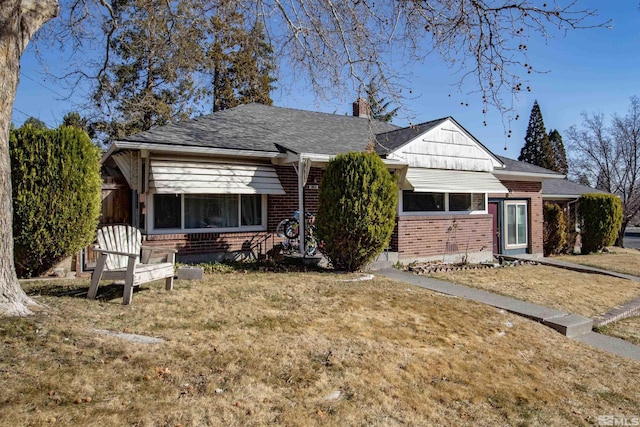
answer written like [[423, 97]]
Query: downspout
[[143, 203], [301, 216], [576, 223], [304, 166]]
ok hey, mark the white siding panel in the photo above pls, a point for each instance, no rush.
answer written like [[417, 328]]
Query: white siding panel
[[124, 161], [452, 181], [446, 147], [168, 177]]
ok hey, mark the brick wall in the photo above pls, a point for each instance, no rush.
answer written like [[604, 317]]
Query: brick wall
[[419, 237], [201, 243], [532, 191]]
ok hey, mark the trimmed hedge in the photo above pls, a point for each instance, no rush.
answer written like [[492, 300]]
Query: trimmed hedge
[[56, 195], [358, 198], [601, 216], [554, 236]]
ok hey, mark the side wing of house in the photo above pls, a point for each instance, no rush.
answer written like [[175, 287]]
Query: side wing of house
[[518, 214], [443, 204]]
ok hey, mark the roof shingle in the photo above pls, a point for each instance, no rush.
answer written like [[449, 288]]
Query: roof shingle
[[263, 128]]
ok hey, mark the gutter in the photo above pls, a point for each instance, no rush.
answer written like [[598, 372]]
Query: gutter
[[186, 149], [532, 176]]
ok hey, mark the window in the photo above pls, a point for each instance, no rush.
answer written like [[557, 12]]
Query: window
[[466, 202], [167, 211], [422, 202], [206, 211], [413, 201], [516, 219]]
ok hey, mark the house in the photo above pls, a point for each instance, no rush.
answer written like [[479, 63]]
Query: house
[[219, 184]]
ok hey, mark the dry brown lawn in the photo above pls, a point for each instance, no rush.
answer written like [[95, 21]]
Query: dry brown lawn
[[579, 293], [298, 349], [622, 260], [627, 329]]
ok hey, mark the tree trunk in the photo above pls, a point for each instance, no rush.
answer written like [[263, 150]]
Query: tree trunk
[[620, 239], [19, 20]]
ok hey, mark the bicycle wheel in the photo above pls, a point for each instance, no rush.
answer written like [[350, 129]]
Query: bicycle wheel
[[282, 226], [291, 229]]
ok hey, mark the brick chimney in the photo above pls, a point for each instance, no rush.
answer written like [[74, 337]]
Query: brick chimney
[[361, 108]]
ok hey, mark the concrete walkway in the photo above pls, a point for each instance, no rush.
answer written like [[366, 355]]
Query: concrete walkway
[[628, 309], [573, 326], [571, 266]]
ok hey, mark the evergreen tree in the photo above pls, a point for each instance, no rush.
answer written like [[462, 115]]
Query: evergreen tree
[[35, 123], [379, 107], [240, 61], [74, 119], [537, 149], [358, 199], [559, 153], [603, 182], [56, 195], [583, 179], [149, 79]]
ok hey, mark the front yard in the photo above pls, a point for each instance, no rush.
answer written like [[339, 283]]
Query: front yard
[[574, 292], [298, 349]]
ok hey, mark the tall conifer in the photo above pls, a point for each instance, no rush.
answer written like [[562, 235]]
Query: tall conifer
[[559, 153], [537, 149]]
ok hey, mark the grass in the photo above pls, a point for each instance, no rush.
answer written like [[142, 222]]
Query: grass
[[622, 260], [297, 349], [578, 293], [627, 329]]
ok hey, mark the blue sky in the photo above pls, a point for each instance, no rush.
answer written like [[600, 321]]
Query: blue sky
[[593, 71]]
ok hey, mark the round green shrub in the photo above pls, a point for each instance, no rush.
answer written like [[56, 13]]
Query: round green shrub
[[56, 192], [358, 198], [601, 216], [554, 236]]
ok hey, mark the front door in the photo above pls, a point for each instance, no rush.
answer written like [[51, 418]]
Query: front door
[[493, 210]]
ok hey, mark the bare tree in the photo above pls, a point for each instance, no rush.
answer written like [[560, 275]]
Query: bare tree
[[340, 46], [19, 20], [610, 157]]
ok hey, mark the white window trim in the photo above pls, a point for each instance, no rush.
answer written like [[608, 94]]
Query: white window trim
[[446, 211], [506, 225], [183, 230]]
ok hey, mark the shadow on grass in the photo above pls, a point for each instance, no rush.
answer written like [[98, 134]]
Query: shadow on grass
[[105, 292]]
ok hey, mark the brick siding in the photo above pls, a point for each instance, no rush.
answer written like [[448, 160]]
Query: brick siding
[[429, 236]]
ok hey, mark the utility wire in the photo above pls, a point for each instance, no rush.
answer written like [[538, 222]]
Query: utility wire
[[43, 85], [58, 94], [28, 116]]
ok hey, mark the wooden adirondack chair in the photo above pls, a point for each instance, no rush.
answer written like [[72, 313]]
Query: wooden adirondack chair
[[121, 256]]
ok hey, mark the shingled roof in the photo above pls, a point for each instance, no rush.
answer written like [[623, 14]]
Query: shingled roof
[[511, 165], [563, 188], [394, 139], [265, 128]]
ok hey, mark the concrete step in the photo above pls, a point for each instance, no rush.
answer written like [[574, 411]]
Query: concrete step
[[570, 325]]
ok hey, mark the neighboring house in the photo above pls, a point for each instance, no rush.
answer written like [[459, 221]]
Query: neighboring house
[[566, 193], [219, 184]]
